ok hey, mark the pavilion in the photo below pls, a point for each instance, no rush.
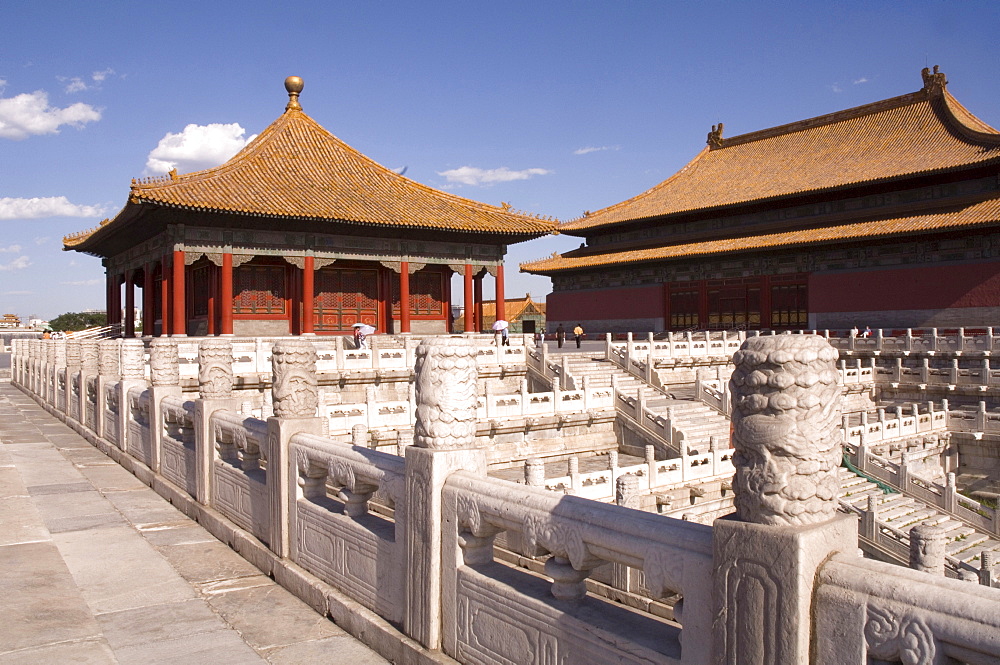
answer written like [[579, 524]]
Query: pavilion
[[885, 215], [298, 234]]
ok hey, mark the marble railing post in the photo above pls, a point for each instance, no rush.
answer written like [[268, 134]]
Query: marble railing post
[[15, 362], [133, 373], [89, 364], [927, 549], [49, 345], [651, 465], [534, 472], [109, 371], [72, 378], [164, 374], [295, 401], [215, 388], [444, 442], [59, 394], [987, 559], [786, 416]]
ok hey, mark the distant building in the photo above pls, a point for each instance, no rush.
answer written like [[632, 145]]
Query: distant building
[[523, 314], [299, 233], [10, 321], [885, 215]]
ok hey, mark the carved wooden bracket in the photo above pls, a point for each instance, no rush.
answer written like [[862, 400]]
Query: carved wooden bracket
[[240, 259], [297, 261]]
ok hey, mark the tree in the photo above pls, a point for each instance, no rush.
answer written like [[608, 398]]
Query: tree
[[71, 321]]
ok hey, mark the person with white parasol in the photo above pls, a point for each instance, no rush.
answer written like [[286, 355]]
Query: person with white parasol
[[361, 331], [500, 333]]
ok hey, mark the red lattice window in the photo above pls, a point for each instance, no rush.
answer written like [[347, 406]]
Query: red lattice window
[[426, 293], [259, 290], [201, 283]]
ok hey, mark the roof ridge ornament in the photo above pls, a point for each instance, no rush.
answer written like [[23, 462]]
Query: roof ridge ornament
[[934, 81], [293, 84], [715, 136]]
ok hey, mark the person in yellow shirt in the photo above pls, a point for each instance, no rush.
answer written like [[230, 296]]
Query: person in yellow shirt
[[578, 334]]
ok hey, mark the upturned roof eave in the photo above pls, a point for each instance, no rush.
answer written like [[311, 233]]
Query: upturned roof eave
[[728, 208]]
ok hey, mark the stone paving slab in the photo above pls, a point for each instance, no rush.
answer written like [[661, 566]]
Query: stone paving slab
[[95, 567]]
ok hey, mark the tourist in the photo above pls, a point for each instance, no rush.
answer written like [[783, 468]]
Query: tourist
[[578, 334], [560, 335], [539, 337], [867, 332], [854, 331]]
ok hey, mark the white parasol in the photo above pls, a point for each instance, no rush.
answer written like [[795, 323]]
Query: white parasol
[[365, 328], [499, 324]]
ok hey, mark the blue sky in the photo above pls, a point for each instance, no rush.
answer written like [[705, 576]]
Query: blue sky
[[555, 107]]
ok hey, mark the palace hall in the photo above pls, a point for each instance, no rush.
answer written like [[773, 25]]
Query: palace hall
[[299, 234], [885, 215]]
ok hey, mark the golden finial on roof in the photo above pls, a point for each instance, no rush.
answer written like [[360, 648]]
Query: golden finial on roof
[[715, 136], [293, 84], [505, 205], [172, 173]]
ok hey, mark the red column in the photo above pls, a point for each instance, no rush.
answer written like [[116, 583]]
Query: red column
[[177, 280], [165, 300], [148, 315], [765, 302], [501, 301], [116, 300], [308, 295], [129, 304], [213, 301], [226, 293], [404, 296], [477, 287], [470, 306], [108, 302]]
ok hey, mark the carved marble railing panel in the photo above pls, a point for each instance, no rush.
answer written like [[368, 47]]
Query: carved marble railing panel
[[110, 414], [491, 600], [872, 610], [138, 440], [333, 534], [177, 452], [91, 402], [61, 389], [600, 485], [238, 483]]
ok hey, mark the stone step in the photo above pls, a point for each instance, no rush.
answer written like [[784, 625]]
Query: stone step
[[975, 552]]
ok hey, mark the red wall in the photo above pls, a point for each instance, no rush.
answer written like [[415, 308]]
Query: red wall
[[625, 303], [928, 287]]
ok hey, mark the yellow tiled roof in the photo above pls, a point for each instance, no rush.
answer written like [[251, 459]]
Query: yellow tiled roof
[[297, 169], [921, 132], [978, 213]]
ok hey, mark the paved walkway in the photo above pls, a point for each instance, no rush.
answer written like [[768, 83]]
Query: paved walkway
[[95, 567]]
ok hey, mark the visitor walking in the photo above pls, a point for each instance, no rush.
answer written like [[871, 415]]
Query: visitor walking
[[560, 335], [578, 334]]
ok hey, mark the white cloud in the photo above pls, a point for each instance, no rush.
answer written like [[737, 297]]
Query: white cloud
[[41, 240], [85, 282], [49, 206], [27, 114], [836, 87], [589, 149], [197, 147], [17, 264], [13, 249], [861, 80], [75, 84], [101, 75], [470, 175], [18, 293]]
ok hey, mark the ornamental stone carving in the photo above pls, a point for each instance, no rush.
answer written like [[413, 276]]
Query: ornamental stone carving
[[927, 549], [786, 414], [133, 365], [294, 391], [164, 368], [88, 355], [215, 368], [446, 393], [108, 358], [72, 353]]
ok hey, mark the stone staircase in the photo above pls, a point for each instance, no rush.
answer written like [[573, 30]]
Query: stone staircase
[[696, 420], [904, 512]]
